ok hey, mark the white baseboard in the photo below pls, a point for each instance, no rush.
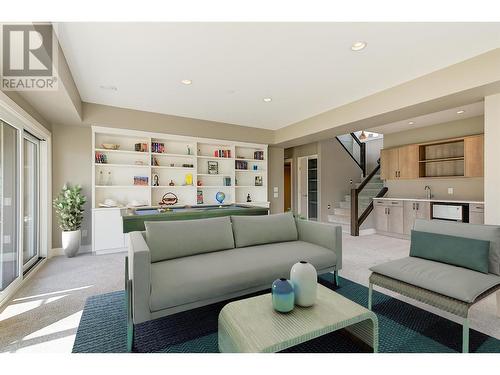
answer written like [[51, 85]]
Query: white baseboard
[[111, 251], [59, 251], [365, 232]]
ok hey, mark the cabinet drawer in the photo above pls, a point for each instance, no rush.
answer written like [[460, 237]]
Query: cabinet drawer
[[394, 203], [379, 202], [476, 207]]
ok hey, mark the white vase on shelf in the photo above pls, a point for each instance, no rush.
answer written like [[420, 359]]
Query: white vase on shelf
[[304, 278]]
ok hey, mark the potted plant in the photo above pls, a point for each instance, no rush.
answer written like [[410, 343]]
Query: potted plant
[[68, 205]]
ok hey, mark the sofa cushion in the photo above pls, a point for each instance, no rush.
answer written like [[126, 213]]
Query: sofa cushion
[[206, 276], [256, 230], [481, 232], [455, 282], [175, 239], [459, 251]]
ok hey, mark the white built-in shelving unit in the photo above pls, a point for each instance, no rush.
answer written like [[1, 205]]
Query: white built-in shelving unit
[[115, 178]]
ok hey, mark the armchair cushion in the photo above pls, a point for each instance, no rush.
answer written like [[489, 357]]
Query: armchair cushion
[[459, 251]]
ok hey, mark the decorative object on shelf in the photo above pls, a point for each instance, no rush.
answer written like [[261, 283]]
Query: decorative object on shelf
[[110, 146], [189, 150], [100, 178], [101, 158], [255, 167], [189, 179], [69, 209], [108, 203], [258, 155], [109, 179], [168, 199], [283, 296], [199, 196], [154, 161], [213, 167], [171, 183], [156, 179], [172, 165], [304, 278], [222, 153], [199, 183], [249, 199], [138, 162], [241, 164], [141, 180], [227, 181], [187, 165], [141, 147], [258, 180], [220, 196], [158, 147]]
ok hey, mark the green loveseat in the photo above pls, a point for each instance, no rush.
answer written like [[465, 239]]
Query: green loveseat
[[452, 272], [176, 266]]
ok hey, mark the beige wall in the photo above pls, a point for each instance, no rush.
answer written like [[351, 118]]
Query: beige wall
[[337, 169], [72, 163], [464, 188], [492, 159], [276, 177]]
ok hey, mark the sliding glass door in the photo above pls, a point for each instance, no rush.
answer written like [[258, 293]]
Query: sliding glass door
[[9, 251], [31, 199]]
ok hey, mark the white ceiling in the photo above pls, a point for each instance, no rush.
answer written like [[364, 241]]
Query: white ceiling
[[471, 110], [307, 68]]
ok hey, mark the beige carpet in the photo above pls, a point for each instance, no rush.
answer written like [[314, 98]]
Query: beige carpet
[[44, 314]]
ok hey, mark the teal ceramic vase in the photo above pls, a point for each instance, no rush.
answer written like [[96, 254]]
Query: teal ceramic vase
[[283, 295]]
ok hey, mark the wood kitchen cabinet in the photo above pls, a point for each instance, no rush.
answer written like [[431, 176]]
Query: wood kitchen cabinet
[[399, 163], [414, 210], [474, 156]]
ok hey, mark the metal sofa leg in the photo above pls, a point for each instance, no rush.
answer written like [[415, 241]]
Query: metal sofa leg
[[336, 278], [370, 295], [465, 336], [128, 302]]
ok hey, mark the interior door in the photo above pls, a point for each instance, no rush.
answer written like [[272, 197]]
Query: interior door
[[302, 187], [31, 243]]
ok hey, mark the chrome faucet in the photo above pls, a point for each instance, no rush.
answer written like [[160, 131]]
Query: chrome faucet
[[428, 192]]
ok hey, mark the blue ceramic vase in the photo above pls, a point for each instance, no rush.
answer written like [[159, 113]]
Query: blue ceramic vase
[[283, 295]]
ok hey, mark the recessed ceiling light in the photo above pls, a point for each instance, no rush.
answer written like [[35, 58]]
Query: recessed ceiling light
[[108, 87], [358, 46], [460, 112], [411, 123], [186, 81], [267, 100]]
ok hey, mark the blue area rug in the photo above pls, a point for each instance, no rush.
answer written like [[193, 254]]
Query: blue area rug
[[403, 328]]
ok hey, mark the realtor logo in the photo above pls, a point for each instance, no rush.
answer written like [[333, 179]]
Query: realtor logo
[[29, 53]]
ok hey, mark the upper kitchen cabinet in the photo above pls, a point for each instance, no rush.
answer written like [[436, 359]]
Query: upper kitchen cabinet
[[457, 157], [399, 163], [474, 156]]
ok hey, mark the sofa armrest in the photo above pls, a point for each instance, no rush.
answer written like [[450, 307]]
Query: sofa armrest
[[140, 276], [322, 234]]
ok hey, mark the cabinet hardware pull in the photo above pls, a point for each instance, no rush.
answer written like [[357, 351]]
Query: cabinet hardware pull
[[413, 206]]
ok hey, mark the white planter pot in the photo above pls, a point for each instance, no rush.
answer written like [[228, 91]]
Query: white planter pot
[[71, 242], [305, 282]]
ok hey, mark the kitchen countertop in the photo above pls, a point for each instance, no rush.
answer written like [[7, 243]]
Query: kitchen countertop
[[431, 200]]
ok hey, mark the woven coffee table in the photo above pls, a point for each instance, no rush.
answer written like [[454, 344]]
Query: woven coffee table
[[252, 326]]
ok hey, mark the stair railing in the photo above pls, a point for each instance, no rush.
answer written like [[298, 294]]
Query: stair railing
[[362, 152], [356, 220]]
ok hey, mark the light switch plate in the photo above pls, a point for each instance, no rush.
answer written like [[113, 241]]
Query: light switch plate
[[275, 189], [275, 195], [450, 191]]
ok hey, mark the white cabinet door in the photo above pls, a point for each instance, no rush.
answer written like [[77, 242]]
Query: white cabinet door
[[395, 219], [380, 217], [108, 230]]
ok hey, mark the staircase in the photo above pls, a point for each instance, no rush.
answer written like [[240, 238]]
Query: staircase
[[342, 211]]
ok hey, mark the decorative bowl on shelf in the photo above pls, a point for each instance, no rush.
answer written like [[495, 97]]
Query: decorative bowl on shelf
[[110, 146]]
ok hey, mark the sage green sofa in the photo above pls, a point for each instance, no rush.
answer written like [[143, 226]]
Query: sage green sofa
[[176, 266], [454, 287]]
